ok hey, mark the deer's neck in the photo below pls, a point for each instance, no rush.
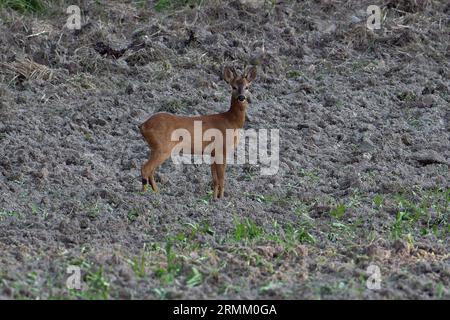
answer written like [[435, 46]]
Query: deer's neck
[[237, 112]]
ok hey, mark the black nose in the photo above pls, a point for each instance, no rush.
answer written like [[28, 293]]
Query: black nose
[[241, 98]]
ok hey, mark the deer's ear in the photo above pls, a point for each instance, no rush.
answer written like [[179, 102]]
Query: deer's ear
[[250, 74], [228, 74]]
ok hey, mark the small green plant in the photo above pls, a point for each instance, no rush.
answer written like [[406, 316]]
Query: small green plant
[[295, 234], [305, 237], [172, 267], [339, 104], [339, 211], [302, 209], [98, 285], [172, 106], [294, 74], [5, 213], [311, 174], [440, 290], [397, 227], [206, 198], [138, 264], [270, 287], [94, 211], [163, 5], [132, 215], [378, 201], [195, 278], [161, 293], [406, 96], [23, 6], [196, 228], [264, 199], [246, 229], [38, 211], [259, 197]]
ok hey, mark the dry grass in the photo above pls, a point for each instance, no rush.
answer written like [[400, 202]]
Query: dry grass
[[360, 37], [26, 69], [409, 6]]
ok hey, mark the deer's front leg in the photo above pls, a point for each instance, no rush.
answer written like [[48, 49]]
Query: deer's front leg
[[215, 180], [221, 178]]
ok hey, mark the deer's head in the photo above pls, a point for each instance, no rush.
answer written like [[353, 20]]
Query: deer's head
[[240, 84]]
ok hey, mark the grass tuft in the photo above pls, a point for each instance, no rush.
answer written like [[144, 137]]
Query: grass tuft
[[23, 6]]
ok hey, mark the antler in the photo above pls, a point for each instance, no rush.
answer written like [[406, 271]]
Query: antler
[[244, 72]]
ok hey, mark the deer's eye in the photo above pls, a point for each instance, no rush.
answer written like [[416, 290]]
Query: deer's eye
[[234, 88], [246, 88]]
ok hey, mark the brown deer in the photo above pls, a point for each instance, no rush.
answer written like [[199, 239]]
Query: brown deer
[[158, 129]]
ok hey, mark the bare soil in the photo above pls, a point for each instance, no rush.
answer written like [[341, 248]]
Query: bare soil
[[364, 151]]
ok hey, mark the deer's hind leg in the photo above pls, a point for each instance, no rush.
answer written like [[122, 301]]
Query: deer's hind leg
[[148, 169], [221, 179], [215, 180]]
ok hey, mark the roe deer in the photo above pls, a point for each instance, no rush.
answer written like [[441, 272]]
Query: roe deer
[[158, 129]]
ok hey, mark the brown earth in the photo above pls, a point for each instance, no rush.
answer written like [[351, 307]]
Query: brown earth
[[364, 151]]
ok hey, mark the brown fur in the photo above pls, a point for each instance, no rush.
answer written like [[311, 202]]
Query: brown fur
[[157, 131]]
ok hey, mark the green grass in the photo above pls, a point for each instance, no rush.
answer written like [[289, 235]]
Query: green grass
[[260, 197], [23, 6], [94, 281], [35, 210], [97, 284], [5, 214], [205, 199], [421, 213], [271, 286], [164, 5], [172, 266], [246, 229], [295, 234], [132, 215], [138, 264], [406, 96], [196, 229], [378, 201], [195, 278], [338, 211], [294, 74]]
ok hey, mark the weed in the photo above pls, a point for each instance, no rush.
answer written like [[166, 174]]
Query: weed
[[23, 6], [94, 211], [97, 284], [5, 213], [406, 96], [246, 229], [172, 267], [195, 278], [164, 5], [297, 234], [378, 201], [305, 237], [259, 197], [339, 211], [138, 265], [196, 228], [132, 215], [294, 74], [312, 175], [38, 211], [206, 198], [161, 293], [398, 227], [270, 287]]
